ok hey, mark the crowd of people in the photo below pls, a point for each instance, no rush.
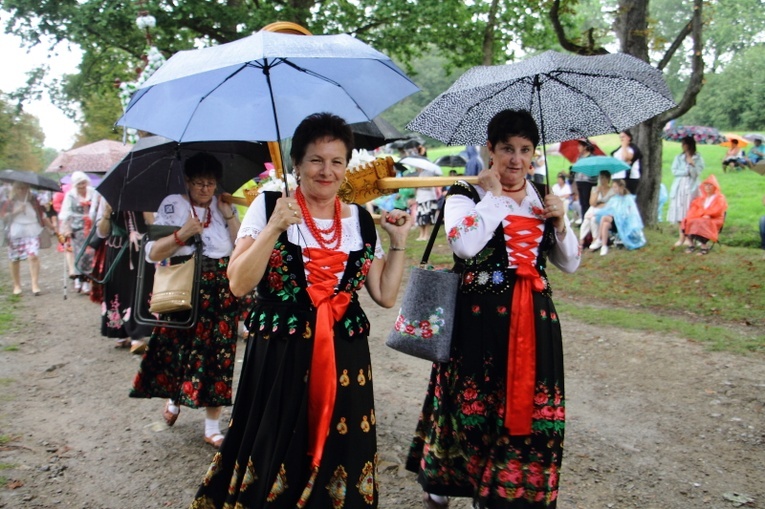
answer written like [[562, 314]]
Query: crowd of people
[[302, 432]]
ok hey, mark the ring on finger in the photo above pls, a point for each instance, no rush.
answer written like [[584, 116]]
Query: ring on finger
[[294, 213], [289, 206]]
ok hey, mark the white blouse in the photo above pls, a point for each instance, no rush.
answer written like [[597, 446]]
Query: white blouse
[[255, 220], [176, 209], [470, 226]]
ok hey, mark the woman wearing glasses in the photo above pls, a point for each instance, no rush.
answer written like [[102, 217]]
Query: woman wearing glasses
[[195, 367]]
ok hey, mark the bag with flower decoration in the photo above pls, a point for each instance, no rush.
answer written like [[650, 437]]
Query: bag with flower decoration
[[425, 321]]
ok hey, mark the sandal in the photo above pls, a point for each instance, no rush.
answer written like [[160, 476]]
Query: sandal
[[169, 416], [429, 503], [703, 251], [689, 249], [214, 440]]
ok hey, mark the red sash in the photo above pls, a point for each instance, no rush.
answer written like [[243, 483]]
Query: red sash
[[522, 234], [330, 307]]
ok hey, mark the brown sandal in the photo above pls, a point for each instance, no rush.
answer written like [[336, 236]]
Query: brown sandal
[[169, 416], [429, 503], [214, 440]]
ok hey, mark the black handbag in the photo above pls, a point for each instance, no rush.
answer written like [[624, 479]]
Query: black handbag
[[425, 321]]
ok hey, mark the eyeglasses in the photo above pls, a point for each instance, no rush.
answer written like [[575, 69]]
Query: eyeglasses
[[201, 185]]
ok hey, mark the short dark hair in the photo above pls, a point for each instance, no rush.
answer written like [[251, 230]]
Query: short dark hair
[[628, 133], [509, 123], [562, 175], [203, 165], [691, 142], [319, 126], [587, 144]]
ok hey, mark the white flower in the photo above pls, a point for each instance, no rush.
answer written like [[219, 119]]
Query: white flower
[[274, 183], [359, 157]]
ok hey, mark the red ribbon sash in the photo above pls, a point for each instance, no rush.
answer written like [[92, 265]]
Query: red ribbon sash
[[522, 234], [330, 307]]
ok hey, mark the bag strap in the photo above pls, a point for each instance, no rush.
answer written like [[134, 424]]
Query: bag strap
[[433, 234]]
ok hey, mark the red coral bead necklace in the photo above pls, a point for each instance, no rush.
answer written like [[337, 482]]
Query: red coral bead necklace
[[333, 232]]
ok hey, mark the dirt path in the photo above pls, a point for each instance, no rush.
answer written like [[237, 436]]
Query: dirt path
[[654, 422]]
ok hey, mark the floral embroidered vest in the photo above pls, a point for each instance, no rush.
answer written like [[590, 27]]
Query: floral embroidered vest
[[283, 306], [488, 272]]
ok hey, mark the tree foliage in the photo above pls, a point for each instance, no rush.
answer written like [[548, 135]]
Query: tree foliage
[[734, 98], [21, 138]]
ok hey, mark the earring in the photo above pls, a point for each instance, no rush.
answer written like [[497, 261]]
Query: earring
[[491, 162]]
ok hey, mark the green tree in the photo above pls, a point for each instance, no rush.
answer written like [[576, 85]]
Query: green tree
[[634, 29], [468, 33], [21, 139], [734, 98]]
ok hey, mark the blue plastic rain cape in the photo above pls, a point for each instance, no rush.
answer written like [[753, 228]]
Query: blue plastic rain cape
[[626, 218]]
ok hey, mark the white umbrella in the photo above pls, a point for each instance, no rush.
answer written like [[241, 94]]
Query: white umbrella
[[421, 163]]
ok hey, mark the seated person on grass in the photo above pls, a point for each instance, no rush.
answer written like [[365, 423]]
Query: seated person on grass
[[705, 217]]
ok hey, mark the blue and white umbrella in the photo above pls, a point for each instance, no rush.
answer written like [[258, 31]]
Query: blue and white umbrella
[[569, 96], [262, 86]]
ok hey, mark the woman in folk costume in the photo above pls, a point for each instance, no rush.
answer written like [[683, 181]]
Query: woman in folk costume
[[195, 367], [302, 432], [75, 223], [492, 422], [705, 216]]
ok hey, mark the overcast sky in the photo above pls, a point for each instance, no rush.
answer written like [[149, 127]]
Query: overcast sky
[[59, 130]]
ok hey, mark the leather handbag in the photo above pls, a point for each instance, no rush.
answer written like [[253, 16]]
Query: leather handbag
[[425, 321], [173, 287]]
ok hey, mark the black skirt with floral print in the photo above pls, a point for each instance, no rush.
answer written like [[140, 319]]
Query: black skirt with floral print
[[263, 461], [461, 447], [195, 367]]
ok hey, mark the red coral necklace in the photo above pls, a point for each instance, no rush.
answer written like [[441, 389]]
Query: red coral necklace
[[333, 232], [208, 214]]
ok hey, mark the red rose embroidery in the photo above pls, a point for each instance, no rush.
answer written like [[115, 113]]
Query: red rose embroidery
[[276, 258], [275, 281]]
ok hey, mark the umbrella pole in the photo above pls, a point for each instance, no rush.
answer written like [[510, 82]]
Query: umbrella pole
[[538, 87], [266, 71]]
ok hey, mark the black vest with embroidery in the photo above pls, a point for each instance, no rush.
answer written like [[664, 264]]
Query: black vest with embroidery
[[488, 271], [283, 306]]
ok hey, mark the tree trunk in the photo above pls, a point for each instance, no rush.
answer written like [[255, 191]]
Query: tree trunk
[[647, 136]]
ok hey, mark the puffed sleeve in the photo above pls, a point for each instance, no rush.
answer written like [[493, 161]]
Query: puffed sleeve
[[565, 254], [469, 225]]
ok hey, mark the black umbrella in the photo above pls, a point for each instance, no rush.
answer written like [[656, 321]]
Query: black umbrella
[[569, 96], [452, 161], [31, 178], [153, 169], [408, 141], [375, 133]]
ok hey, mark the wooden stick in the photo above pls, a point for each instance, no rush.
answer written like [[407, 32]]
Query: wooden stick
[[405, 182]]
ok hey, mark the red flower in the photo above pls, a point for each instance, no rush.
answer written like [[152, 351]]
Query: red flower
[[427, 334], [502, 310], [410, 329], [469, 221], [187, 388], [467, 409], [540, 398], [275, 281], [478, 407], [365, 267], [537, 211], [469, 394], [224, 328], [221, 388], [547, 413], [276, 258], [453, 233], [560, 413], [475, 309], [424, 324]]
